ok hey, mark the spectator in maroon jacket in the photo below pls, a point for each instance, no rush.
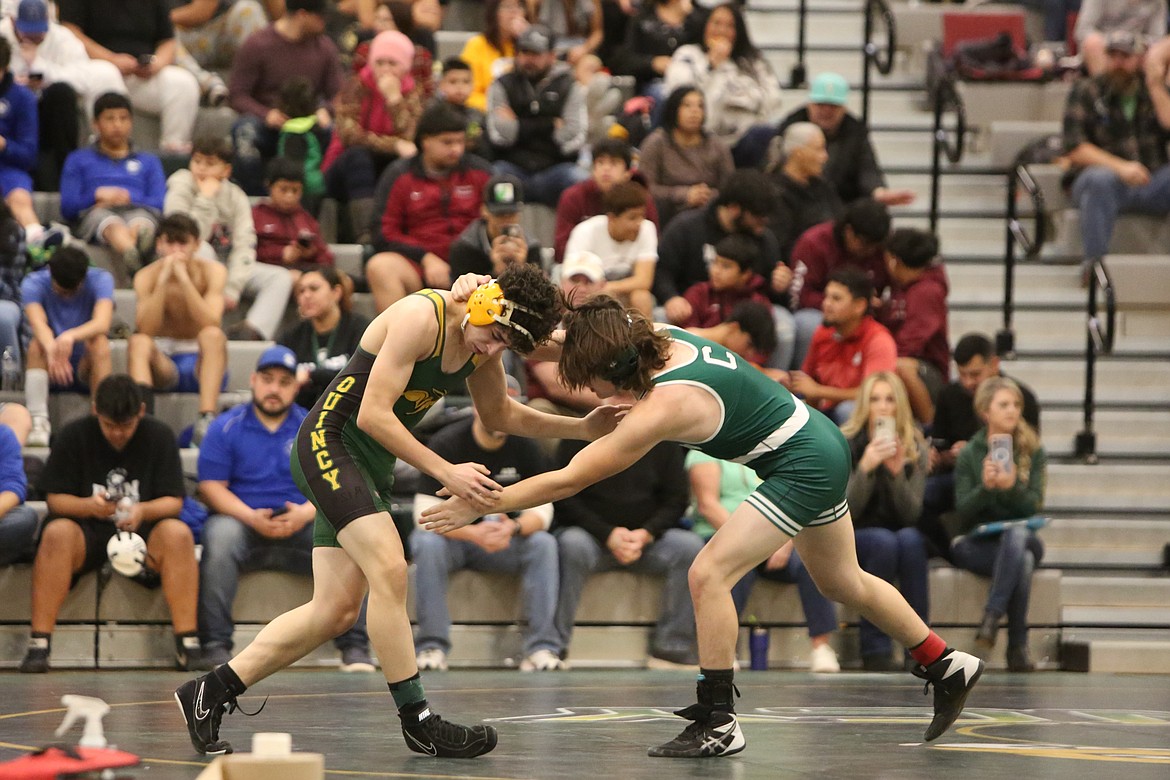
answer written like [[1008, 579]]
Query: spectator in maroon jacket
[[731, 280], [286, 234], [293, 47], [857, 239], [916, 315], [847, 348], [612, 164], [432, 200]]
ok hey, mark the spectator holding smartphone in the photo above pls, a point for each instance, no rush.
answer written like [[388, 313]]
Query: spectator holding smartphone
[[990, 486], [886, 485]]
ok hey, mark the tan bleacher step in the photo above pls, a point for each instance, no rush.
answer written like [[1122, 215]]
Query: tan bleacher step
[[1123, 592], [1108, 486], [1106, 652], [1119, 380], [1098, 539], [1119, 432], [72, 646], [1035, 284], [1064, 331], [955, 191]]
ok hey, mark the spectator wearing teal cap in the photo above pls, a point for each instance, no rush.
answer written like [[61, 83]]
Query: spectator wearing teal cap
[[853, 167]]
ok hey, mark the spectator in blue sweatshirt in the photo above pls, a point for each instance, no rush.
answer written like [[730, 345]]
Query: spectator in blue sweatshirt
[[18, 146], [112, 193], [18, 522]]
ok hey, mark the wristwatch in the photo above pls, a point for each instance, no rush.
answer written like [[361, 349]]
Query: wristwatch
[[517, 528]]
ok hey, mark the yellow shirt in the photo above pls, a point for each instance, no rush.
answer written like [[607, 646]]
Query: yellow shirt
[[481, 56]]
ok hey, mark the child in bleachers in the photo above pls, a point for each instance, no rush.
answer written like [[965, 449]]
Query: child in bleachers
[[731, 280], [626, 242], [454, 89], [111, 192], [69, 307], [204, 192], [287, 235], [302, 138], [18, 152]]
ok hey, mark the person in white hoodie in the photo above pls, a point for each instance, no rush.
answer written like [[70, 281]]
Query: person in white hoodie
[[50, 60]]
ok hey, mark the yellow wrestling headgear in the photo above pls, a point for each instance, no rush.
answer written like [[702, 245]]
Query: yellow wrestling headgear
[[488, 305]]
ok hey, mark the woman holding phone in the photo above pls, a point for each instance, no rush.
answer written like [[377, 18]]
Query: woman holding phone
[[886, 484], [1000, 476]]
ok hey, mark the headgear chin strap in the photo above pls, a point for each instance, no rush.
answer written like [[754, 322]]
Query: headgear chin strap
[[487, 305]]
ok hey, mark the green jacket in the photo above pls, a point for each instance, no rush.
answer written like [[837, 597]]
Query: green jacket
[[975, 504]]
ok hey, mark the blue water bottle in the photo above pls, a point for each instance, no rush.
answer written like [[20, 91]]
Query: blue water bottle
[[758, 646]]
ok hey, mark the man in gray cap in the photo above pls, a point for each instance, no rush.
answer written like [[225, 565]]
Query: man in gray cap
[[495, 240], [1116, 126], [536, 119]]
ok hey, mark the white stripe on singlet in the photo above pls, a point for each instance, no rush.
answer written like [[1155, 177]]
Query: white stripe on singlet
[[776, 438]]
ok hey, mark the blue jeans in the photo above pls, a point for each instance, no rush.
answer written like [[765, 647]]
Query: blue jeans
[[1055, 15], [10, 315], [807, 321], [255, 144], [1101, 195], [670, 555], [1009, 560], [18, 535], [893, 555], [819, 612], [231, 548], [534, 557], [547, 185]]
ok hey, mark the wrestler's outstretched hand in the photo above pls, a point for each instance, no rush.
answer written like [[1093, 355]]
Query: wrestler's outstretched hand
[[473, 483], [603, 419], [447, 516]]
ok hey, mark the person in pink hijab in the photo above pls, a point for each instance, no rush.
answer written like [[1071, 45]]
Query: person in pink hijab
[[376, 112]]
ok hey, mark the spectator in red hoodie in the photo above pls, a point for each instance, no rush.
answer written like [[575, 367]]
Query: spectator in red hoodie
[[847, 348], [857, 239], [433, 198], [916, 315], [286, 234], [612, 164], [731, 280]]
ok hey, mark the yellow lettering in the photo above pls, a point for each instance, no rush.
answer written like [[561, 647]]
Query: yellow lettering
[[344, 385], [318, 439], [331, 400], [323, 460], [321, 420], [331, 478]]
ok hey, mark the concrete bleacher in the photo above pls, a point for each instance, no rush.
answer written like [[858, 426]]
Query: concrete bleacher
[[614, 621]]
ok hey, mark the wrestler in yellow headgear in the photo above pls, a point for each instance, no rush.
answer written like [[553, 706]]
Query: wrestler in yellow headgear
[[488, 304]]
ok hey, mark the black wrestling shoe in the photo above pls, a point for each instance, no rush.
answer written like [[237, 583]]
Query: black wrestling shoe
[[429, 734], [202, 714], [953, 676], [713, 733]]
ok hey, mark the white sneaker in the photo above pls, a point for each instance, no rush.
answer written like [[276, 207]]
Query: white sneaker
[[543, 661], [39, 435], [824, 660], [431, 658]]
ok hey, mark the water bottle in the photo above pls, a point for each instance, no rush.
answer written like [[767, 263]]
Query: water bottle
[[9, 370], [758, 646]]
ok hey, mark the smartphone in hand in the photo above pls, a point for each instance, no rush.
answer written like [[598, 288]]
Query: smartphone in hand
[[1000, 449], [883, 428]]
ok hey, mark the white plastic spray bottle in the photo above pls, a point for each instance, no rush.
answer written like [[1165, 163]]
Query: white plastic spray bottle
[[93, 710]]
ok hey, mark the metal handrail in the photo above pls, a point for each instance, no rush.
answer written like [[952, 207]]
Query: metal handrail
[[1019, 177], [799, 75], [1099, 341], [879, 57], [946, 100]]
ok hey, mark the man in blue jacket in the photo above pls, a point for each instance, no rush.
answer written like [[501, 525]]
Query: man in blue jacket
[[112, 193], [18, 146]]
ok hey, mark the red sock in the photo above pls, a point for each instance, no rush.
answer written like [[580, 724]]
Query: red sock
[[929, 650]]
